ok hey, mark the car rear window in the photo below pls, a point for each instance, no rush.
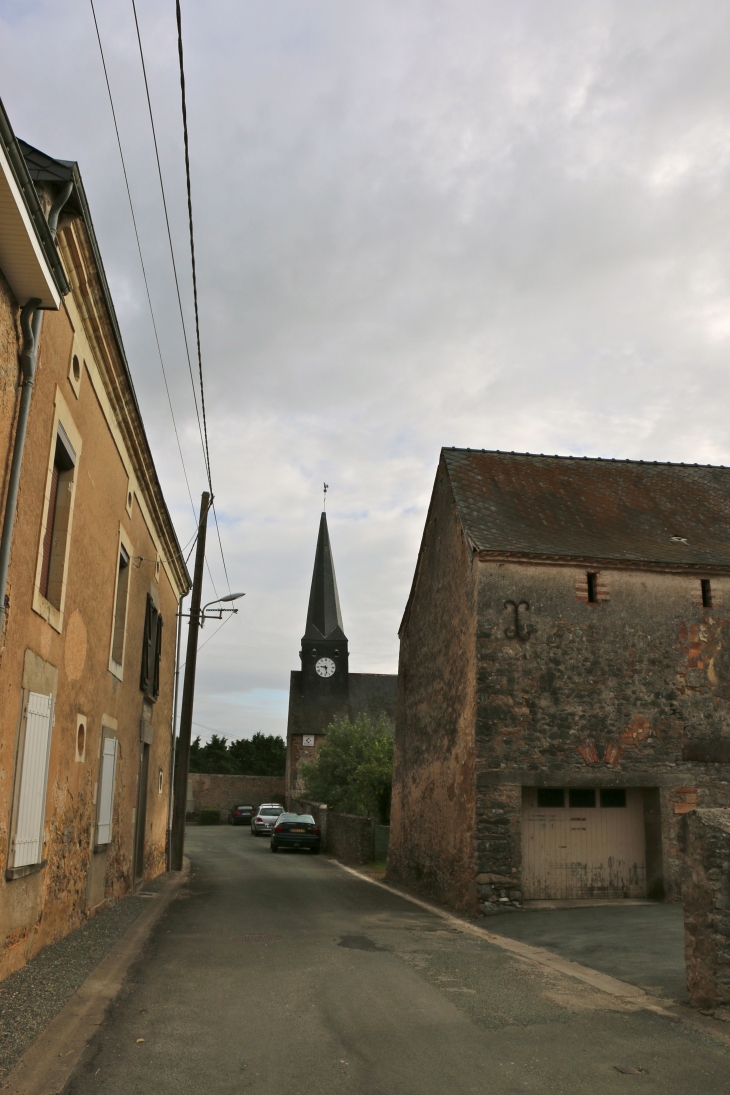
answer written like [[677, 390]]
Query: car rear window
[[307, 818], [243, 807], [266, 812]]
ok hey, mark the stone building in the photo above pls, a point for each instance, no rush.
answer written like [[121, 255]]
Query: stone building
[[324, 688], [94, 569], [564, 678]]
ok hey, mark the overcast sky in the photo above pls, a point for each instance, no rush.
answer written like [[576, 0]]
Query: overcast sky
[[487, 223]]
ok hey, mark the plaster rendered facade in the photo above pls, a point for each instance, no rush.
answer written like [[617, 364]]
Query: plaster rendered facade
[[75, 622], [602, 679]]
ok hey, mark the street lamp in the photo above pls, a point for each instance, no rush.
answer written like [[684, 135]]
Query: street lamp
[[217, 613]]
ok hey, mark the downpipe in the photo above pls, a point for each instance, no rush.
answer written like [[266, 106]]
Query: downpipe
[[31, 319]]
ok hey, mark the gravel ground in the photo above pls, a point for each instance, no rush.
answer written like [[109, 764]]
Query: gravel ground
[[33, 995]]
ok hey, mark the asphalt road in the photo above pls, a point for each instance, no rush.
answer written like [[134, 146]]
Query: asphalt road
[[283, 975], [641, 944]]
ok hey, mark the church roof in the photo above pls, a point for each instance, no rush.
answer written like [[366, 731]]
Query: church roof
[[324, 619], [673, 515]]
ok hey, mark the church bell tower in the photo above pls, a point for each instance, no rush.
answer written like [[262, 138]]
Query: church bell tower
[[324, 653]]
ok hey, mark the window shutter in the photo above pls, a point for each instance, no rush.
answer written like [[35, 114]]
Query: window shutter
[[146, 675], [158, 657], [106, 790], [27, 843]]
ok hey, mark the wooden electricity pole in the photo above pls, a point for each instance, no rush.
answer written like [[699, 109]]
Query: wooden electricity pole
[[182, 755]]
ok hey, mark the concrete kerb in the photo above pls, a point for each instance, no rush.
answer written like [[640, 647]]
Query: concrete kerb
[[47, 1064], [630, 994]]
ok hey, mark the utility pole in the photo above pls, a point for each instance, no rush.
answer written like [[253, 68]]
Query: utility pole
[[182, 758]]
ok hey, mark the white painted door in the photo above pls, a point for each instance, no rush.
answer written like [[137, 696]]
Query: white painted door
[[584, 853]]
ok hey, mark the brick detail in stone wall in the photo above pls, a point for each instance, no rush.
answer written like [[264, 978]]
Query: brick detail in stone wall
[[705, 844]]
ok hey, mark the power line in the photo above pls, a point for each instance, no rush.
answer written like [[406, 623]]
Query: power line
[[204, 429], [139, 249]]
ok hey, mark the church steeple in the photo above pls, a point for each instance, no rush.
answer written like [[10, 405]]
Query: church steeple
[[324, 653], [324, 619]]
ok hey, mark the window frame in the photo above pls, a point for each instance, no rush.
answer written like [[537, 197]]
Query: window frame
[[123, 544], [53, 610]]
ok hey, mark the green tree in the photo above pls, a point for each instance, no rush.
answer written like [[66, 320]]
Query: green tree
[[353, 769], [261, 755]]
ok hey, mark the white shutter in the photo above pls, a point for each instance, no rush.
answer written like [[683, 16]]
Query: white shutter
[[106, 791], [27, 843]]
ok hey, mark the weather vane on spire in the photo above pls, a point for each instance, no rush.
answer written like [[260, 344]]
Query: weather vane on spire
[[324, 496]]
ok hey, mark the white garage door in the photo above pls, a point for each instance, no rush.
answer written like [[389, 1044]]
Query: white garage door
[[574, 853]]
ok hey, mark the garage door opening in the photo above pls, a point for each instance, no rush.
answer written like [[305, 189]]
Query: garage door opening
[[583, 842]]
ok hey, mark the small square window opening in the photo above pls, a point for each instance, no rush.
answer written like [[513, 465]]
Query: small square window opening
[[581, 798], [706, 593], [613, 797], [550, 798]]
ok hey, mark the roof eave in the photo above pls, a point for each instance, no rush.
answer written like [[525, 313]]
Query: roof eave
[[28, 256]]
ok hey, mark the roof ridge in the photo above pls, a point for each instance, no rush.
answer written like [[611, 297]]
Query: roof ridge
[[595, 459]]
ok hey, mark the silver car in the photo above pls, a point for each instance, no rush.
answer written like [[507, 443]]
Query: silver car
[[265, 819]]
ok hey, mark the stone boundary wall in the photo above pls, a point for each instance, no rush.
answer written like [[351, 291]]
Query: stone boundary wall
[[207, 792], [348, 837], [705, 846]]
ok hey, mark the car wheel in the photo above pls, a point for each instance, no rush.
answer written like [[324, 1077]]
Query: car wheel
[[274, 847], [315, 851]]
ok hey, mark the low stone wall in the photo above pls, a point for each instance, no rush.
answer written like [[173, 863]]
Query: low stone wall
[[705, 845], [207, 792], [348, 837]]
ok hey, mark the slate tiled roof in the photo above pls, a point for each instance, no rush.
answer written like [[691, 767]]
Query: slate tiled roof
[[611, 510]]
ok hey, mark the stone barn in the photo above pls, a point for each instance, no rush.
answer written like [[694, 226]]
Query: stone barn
[[564, 678]]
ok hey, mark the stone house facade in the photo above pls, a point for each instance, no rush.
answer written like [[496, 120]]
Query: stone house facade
[[564, 678], [95, 571], [324, 688]]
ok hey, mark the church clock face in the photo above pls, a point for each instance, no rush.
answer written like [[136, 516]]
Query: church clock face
[[325, 667]]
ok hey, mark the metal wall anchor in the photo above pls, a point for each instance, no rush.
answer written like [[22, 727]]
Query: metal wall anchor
[[517, 631]]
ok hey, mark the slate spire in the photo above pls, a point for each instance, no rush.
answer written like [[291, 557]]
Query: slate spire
[[324, 619]]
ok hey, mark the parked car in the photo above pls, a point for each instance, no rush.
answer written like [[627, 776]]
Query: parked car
[[241, 815], [296, 831], [265, 819]]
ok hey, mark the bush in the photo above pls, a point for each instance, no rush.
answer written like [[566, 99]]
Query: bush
[[353, 769], [209, 817]]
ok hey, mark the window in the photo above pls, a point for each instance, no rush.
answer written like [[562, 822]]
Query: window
[[613, 796], [106, 791], [55, 536], [706, 592], [581, 798], [550, 797], [120, 606], [26, 845], [149, 680], [592, 589]]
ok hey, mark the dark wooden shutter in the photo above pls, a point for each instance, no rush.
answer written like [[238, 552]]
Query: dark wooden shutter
[[145, 679], [158, 657], [48, 536]]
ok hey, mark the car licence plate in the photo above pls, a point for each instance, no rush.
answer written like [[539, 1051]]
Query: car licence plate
[[299, 830]]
